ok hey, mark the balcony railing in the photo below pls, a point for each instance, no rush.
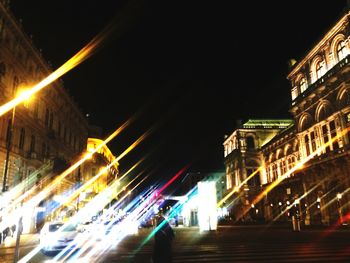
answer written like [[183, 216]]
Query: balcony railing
[[330, 73]]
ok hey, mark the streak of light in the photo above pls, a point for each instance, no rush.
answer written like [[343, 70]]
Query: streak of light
[[95, 203], [189, 196], [297, 166], [78, 58], [174, 178], [300, 198], [334, 199], [235, 189], [76, 193]]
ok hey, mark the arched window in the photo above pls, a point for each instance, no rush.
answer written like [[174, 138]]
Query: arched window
[[305, 122], [320, 69], [302, 85], [344, 99], [341, 50], [289, 150], [250, 143], [324, 112]]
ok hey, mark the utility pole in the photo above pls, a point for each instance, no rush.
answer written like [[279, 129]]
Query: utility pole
[[18, 239], [8, 149]]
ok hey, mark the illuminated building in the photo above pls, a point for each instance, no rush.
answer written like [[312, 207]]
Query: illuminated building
[[318, 142], [321, 110], [50, 126], [100, 159], [242, 152], [49, 132]]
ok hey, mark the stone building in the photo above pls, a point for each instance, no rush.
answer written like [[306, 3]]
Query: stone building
[[49, 127], [45, 134], [307, 165], [243, 158]]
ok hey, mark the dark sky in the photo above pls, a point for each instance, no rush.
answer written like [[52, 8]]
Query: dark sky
[[191, 67]]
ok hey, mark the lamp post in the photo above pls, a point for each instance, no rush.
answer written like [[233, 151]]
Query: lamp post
[[340, 212], [8, 149], [26, 96]]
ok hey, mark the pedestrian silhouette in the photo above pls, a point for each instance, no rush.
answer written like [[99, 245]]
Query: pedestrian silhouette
[[162, 251]]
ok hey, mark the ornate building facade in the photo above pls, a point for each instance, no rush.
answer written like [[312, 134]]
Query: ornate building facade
[[307, 165], [243, 159], [49, 126], [43, 136]]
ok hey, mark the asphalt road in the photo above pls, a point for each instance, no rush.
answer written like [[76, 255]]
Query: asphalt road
[[225, 245]]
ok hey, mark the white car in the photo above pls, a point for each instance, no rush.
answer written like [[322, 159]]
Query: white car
[[55, 236]]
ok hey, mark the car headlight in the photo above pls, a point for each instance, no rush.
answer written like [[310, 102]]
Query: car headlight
[[47, 240]]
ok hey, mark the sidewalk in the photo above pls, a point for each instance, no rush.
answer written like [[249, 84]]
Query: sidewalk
[[288, 225], [26, 240]]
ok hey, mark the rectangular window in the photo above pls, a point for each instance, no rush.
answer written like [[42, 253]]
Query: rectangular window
[[32, 144], [295, 93], [51, 121], [307, 146], [325, 137], [36, 109], [59, 129], [21, 139], [333, 131], [313, 141], [9, 131], [47, 117], [43, 150]]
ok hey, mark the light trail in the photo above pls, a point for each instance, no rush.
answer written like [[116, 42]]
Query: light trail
[[119, 231], [86, 52], [300, 198], [177, 207], [45, 192], [236, 188], [104, 169], [333, 199], [174, 178]]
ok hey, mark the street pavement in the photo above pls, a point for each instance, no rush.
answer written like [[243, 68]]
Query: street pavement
[[226, 244]]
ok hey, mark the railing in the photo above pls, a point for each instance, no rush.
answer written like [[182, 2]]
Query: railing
[[344, 62]]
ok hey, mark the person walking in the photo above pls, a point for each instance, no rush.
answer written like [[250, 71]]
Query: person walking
[[162, 251]]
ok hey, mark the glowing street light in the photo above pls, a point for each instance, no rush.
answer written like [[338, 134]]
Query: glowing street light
[[339, 196]]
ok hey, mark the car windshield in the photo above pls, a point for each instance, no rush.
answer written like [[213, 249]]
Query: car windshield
[[54, 227], [68, 228]]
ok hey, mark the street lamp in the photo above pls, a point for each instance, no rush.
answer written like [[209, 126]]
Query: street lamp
[[8, 148], [339, 196]]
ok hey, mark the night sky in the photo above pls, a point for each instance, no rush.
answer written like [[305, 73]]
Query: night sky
[[192, 68]]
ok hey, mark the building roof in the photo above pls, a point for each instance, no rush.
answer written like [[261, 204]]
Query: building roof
[[268, 124]]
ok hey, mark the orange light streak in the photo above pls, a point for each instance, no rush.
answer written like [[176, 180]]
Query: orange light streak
[[93, 179], [49, 188], [79, 57], [298, 166], [236, 188], [300, 198]]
